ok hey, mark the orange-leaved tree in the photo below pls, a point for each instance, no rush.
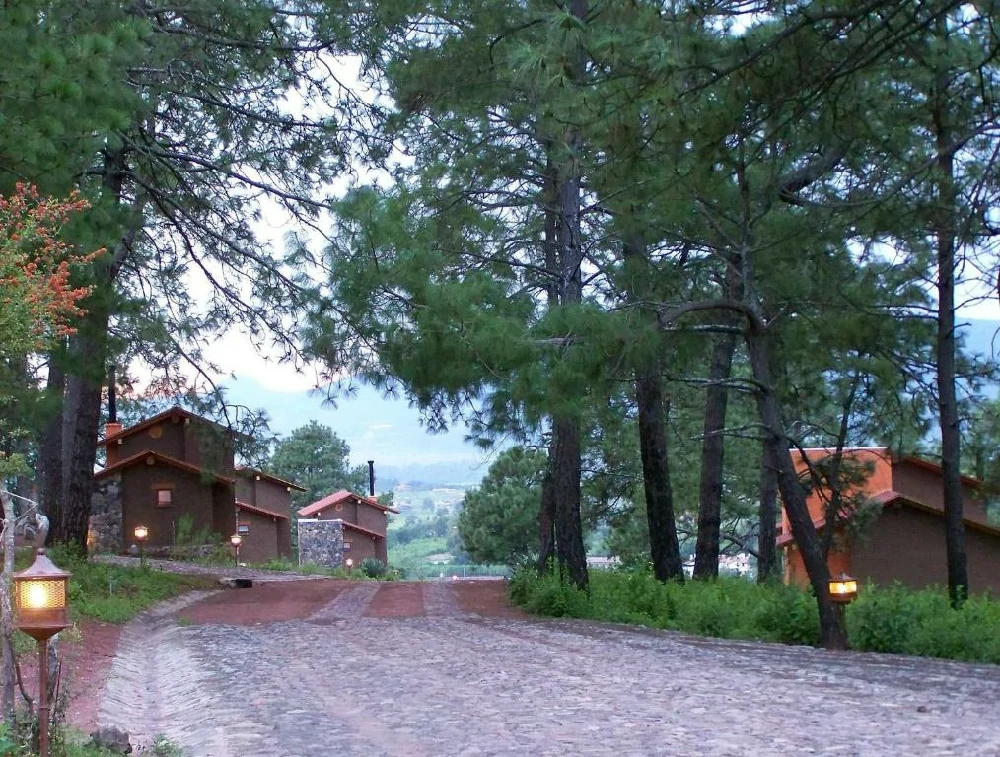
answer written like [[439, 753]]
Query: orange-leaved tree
[[38, 301]]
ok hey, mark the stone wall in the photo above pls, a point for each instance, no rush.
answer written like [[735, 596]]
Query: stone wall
[[105, 532], [321, 542]]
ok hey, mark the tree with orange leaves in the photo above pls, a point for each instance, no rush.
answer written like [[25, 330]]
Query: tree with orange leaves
[[38, 302]]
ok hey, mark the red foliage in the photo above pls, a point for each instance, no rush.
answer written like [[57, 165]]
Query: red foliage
[[37, 299]]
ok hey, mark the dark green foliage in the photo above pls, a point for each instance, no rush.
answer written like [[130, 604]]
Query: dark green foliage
[[315, 457], [116, 594], [372, 567], [892, 620], [499, 520], [900, 621]]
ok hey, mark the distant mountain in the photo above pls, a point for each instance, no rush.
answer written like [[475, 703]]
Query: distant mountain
[[386, 430]]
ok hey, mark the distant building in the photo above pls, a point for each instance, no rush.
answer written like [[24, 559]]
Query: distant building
[[905, 540], [358, 524], [179, 464]]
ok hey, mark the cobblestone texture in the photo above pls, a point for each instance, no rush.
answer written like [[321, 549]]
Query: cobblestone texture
[[321, 542], [458, 685]]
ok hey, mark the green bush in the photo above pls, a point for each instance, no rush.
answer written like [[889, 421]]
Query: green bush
[[787, 615], [115, 594], [372, 567], [881, 620], [890, 619]]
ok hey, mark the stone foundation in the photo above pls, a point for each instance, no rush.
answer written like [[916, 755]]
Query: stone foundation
[[321, 542], [105, 531]]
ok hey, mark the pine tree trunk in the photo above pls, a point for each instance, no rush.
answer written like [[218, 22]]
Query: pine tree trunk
[[546, 520], [86, 372], [767, 516], [706, 556], [566, 474], [792, 492], [663, 544], [50, 446], [951, 440]]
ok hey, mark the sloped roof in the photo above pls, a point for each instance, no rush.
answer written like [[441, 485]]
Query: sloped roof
[[269, 477], [240, 505], [141, 457], [888, 498], [174, 412], [338, 497], [355, 527], [930, 465]]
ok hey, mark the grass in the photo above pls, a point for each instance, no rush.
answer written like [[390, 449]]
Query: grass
[[894, 619], [116, 594]]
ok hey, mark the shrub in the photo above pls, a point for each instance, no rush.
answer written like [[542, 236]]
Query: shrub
[[787, 615], [890, 619], [880, 620], [372, 567]]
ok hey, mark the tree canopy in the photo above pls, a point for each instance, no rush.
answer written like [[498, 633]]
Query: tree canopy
[[498, 523], [313, 456]]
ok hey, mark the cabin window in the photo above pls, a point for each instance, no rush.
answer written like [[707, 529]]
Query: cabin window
[[164, 497]]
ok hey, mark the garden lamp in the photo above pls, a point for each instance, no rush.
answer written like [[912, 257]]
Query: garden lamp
[[236, 540], [141, 533], [40, 599], [843, 589]]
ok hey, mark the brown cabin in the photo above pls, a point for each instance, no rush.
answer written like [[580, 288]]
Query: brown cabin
[[364, 520], [178, 464], [905, 541]]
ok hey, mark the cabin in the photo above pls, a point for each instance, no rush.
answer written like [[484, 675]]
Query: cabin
[[175, 473], [362, 523], [890, 527]]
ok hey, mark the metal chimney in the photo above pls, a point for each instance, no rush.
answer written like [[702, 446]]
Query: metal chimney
[[371, 478]]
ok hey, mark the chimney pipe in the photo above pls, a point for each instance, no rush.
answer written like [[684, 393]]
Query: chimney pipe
[[112, 399], [371, 478]]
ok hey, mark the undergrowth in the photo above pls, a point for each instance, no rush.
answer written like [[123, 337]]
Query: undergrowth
[[116, 594], [894, 619]]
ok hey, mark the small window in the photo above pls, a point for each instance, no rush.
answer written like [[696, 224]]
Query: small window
[[164, 497], [347, 545]]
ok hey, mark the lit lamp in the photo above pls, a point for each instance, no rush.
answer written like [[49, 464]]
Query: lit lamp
[[40, 594], [349, 563], [236, 540], [843, 589], [141, 534]]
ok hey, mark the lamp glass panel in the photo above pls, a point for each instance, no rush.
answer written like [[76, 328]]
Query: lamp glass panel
[[38, 594]]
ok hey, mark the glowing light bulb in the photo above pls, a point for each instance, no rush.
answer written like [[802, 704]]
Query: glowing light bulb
[[38, 596]]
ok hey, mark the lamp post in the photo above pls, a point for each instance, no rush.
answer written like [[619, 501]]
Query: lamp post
[[349, 563], [236, 540], [141, 534], [40, 594], [843, 590]]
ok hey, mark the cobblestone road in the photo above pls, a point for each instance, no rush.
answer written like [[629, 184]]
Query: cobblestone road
[[452, 684]]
